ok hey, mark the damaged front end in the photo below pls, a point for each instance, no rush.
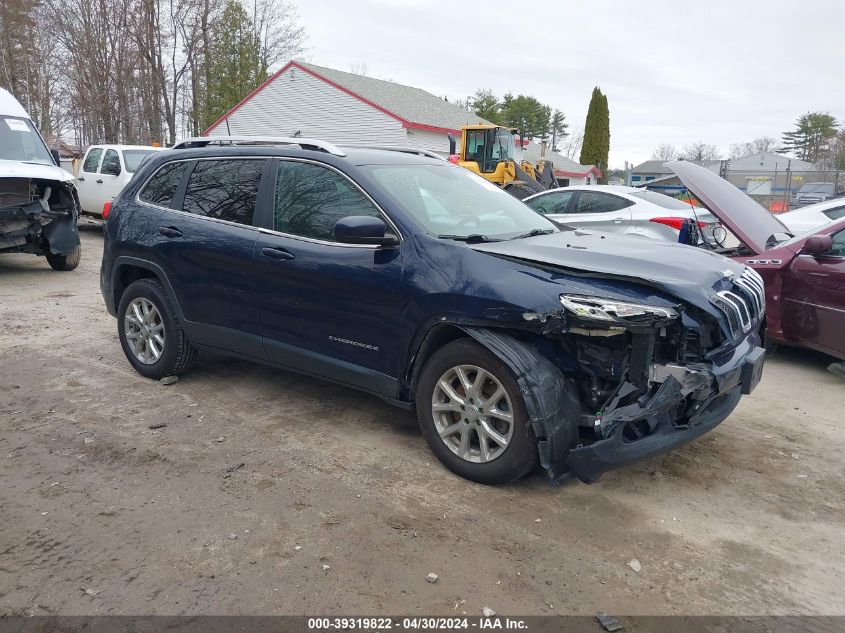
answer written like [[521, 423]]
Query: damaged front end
[[38, 216], [656, 378], [635, 379]]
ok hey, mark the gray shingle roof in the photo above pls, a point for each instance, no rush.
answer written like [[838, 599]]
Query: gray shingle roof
[[656, 166], [531, 153], [412, 104]]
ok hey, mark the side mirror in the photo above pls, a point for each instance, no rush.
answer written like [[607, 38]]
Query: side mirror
[[56, 158], [363, 229], [817, 245]]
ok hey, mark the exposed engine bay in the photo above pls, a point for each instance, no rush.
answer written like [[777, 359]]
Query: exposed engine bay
[[38, 216]]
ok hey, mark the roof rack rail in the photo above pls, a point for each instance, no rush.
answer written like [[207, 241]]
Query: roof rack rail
[[404, 150], [304, 143]]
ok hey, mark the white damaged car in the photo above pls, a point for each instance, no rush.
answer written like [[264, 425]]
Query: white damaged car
[[39, 205]]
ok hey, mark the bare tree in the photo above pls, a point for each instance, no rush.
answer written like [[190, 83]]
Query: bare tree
[[571, 145], [359, 68], [276, 24], [130, 70], [665, 152], [759, 145], [700, 151]]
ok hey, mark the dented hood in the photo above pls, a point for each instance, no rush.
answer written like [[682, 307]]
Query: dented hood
[[37, 171], [684, 271], [748, 220]]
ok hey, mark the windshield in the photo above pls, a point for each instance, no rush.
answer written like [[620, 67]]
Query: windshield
[[20, 141], [503, 145], [662, 200], [133, 158], [453, 202]]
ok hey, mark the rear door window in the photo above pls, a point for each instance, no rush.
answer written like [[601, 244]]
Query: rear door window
[[161, 188], [92, 160], [224, 189], [596, 202]]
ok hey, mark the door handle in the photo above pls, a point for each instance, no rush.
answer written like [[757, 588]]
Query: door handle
[[277, 253], [100, 181], [81, 179], [170, 231], [617, 220]]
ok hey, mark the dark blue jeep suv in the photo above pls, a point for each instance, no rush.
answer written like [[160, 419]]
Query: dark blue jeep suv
[[517, 340]]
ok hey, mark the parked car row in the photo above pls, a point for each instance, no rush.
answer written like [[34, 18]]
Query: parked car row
[[521, 334]]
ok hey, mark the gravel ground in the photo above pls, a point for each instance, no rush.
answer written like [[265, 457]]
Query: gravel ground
[[272, 493]]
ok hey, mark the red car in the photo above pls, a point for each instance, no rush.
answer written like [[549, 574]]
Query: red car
[[804, 275]]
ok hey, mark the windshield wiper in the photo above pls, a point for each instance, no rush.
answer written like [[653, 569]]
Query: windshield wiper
[[533, 233], [473, 238]]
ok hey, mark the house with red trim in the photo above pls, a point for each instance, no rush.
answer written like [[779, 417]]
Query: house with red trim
[[346, 109], [566, 171]]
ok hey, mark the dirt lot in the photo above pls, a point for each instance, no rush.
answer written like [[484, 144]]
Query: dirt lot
[[100, 514]]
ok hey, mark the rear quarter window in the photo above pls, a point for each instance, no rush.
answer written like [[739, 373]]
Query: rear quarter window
[[161, 188]]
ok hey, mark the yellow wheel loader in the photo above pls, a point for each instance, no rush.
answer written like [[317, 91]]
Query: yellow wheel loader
[[490, 151]]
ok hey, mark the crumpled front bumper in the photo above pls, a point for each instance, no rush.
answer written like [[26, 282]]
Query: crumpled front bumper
[[738, 375], [23, 227]]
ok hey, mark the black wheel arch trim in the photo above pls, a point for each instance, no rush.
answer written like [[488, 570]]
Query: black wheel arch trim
[[137, 262], [550, 398]]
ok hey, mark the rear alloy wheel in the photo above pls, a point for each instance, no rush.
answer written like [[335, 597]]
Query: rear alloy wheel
[[473, 416], [150, 333], [144, 330]]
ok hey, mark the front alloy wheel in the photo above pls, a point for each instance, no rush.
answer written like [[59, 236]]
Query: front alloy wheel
[[472, 413], [473, 416]]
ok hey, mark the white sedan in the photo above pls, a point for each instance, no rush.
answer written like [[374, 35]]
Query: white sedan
[[811, 217], [619, 209]]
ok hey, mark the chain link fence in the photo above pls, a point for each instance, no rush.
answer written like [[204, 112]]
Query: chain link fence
[[786, 189]]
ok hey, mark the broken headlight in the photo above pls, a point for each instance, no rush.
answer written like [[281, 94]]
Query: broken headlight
[[602, 309]]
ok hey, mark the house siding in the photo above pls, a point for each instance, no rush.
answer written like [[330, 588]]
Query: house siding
[[432, 141], [298, 101]]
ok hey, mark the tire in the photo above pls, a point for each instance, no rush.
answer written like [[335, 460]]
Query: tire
[[175, 351], [503, 463], [65, 262], [771, 348]]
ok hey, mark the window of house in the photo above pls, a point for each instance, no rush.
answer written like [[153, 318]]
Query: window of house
[[92, 160], [162, 187], [224, 189], [310, 199]]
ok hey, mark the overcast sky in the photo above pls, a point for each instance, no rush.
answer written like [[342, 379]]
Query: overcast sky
[[674, 71]]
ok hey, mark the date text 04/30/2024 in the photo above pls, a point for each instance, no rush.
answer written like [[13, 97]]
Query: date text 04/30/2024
[[416, 623]]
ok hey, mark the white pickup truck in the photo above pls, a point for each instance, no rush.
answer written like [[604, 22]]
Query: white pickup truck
[[105, 171]]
